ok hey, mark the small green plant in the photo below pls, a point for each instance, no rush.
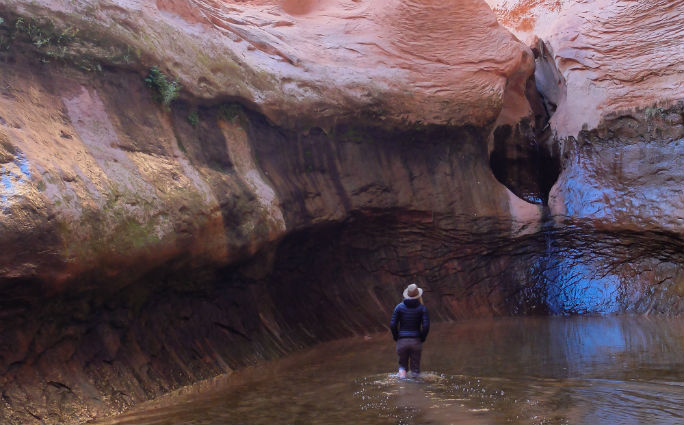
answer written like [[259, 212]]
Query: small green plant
[[165, 91], [181, 146], [654, 111], [230, 112], [66, 35], [36, 34], [44, 35], [193, 118], [128, 56]]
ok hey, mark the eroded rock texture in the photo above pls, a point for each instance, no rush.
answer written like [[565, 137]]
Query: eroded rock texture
[[609, 75], [305, 63], [612, 55], [321, 156], [143, 250], [627, 173]]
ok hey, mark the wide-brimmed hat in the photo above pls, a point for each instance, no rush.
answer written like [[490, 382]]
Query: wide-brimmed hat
[[413, 292]]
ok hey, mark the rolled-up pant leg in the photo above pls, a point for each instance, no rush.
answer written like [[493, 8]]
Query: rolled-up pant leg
[[409, 350]]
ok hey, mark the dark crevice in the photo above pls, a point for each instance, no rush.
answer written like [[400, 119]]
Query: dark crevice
[[232, 330], [523, 164], [525, 158]]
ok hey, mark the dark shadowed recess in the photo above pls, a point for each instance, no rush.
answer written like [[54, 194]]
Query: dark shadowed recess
[[525, 157], [527, 166], [175, 326], [106, 345]]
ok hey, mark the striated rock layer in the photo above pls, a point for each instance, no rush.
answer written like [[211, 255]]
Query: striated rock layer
[[310, 62], [104, 179], [322, 155]]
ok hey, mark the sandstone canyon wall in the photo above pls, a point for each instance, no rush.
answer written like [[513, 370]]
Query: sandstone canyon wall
[[611, 75], [321, 155]]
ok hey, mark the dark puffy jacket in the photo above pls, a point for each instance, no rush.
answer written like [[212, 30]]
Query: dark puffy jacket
[[407, 319]]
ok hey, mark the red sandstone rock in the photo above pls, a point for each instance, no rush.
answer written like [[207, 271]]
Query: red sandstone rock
[[102, 188], [109, 180], [614, 55], [319, 62], [616, 68]]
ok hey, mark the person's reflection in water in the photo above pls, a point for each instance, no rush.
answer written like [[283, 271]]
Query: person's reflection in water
[[410, 325]]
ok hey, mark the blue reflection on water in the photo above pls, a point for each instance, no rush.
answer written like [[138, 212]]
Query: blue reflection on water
[[585, 341]]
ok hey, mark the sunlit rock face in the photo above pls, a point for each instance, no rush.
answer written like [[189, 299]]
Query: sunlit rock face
[[111, 186], [611, 77], [613, 55], [107, 179], [311, 62]]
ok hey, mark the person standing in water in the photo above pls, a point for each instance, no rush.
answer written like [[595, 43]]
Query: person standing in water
[[410, 325]]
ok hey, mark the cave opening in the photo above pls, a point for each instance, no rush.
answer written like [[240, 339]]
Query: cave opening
[[526, 157], [524, 164]]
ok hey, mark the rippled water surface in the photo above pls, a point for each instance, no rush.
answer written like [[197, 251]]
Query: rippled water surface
[[578, 370]]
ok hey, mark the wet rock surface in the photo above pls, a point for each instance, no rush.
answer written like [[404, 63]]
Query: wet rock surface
[[624, 185], [90, 354]]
